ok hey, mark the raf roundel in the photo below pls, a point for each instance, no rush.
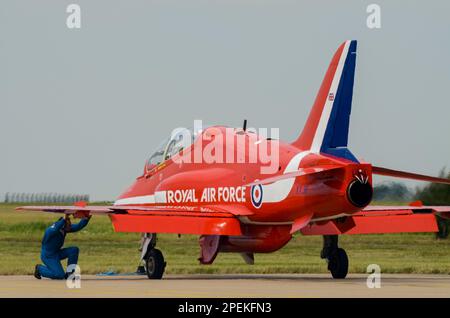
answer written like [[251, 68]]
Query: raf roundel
[[257, 195]]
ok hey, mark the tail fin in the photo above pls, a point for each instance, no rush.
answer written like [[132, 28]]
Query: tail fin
[[326, 129]]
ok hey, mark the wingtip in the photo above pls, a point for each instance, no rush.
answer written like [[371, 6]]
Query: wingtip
[[81, 204], [417, 203]]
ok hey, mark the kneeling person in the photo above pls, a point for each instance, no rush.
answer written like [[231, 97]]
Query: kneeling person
[[52, 252]]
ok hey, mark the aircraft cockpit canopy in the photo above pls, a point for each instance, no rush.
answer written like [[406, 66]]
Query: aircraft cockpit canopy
[[178, 140]]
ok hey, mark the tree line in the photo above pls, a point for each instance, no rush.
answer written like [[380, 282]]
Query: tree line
[[23, 197], [431, 194]]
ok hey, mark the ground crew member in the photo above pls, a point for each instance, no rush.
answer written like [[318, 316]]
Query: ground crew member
[[52, 252]]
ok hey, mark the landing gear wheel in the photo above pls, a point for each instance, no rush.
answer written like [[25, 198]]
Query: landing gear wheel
[[443, 227], [155, 264], [338, 264]]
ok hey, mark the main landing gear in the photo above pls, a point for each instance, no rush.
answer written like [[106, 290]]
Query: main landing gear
[[153, 258], [336, 257]]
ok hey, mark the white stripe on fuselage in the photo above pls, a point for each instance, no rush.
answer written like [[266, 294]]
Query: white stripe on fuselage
[[136, 200], [326, 112], [279, 190], [158, 197]]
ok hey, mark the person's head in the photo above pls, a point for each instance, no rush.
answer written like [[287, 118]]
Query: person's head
[[68, 223]]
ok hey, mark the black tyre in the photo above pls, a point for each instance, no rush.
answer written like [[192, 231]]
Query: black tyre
[[443, 228], [155, 264], [338, 264]]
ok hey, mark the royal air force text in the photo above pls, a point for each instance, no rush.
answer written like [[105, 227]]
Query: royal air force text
[[219, 194]]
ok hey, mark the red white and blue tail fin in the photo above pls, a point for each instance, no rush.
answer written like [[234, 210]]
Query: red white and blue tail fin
[[326, 130]]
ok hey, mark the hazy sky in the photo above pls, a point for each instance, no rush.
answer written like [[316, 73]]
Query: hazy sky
[[82, 109]]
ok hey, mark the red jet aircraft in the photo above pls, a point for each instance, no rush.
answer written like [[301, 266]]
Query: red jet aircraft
[[318, 188]]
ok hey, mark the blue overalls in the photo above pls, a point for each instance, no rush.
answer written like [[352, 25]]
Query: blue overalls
[[52, 252]]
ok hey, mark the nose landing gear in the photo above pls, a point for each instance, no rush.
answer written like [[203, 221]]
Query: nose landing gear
[[153, 258], [336, 257], [155, 264]]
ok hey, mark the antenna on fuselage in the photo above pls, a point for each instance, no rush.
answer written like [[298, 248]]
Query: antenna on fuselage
[[245, 125]]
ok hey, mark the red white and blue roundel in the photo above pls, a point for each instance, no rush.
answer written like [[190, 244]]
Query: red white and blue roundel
[[257, 195]]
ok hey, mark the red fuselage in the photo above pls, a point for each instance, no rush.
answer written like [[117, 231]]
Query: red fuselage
[[266, 211]]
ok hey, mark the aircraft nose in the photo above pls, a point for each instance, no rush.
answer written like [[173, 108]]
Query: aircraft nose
[[359, 193]]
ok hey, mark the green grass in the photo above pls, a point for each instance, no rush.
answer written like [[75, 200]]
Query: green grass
[[102, 250]]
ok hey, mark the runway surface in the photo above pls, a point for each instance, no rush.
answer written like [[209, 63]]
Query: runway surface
[[240, 286]]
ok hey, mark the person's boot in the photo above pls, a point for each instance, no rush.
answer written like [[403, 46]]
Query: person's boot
[[36, 272]]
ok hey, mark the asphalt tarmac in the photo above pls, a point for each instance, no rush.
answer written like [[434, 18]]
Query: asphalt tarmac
[[241, 286]]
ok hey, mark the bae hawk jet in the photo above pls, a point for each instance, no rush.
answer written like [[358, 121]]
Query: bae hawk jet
[[319, 187]]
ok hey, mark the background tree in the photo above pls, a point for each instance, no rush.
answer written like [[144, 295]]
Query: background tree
[[392, 191], [437, 194]]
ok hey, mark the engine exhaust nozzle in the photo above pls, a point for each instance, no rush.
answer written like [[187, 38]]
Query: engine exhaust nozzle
[[359, 194]]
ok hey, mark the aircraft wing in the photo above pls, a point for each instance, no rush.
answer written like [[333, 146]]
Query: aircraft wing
[[381, 219], [160, 219], [68, 209]]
